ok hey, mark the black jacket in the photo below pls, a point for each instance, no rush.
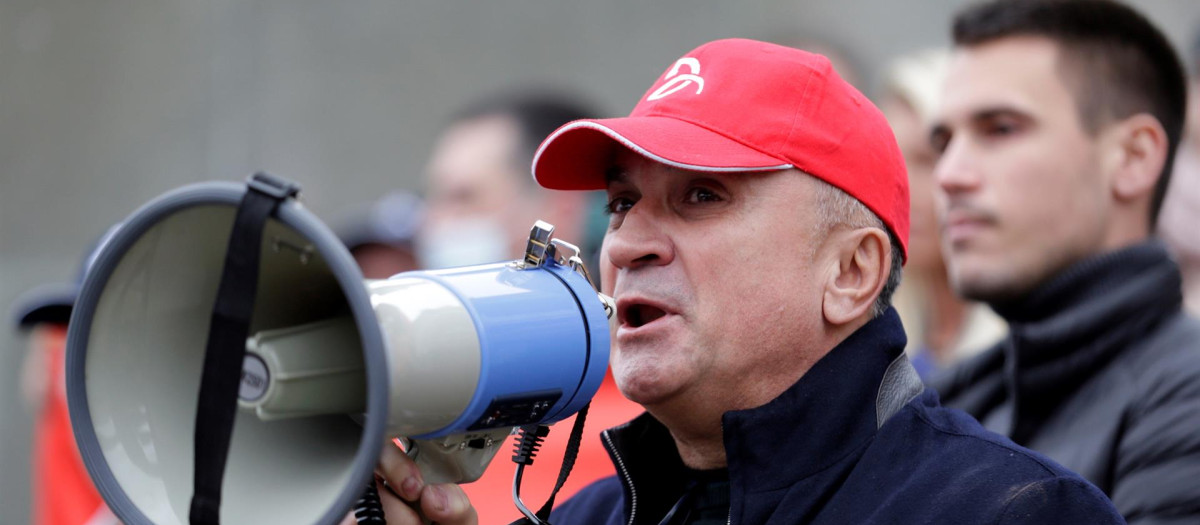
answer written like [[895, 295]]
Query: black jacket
[[1101, 372], [857, 440]]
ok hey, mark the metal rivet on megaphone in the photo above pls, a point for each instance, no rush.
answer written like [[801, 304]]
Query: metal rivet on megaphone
[[332, 365]]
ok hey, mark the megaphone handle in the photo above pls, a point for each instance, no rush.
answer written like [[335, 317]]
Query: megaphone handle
[[369, 509], [435, 468], [460, 458]]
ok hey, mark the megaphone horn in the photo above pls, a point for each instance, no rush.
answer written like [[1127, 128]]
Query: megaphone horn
[[184, 354]]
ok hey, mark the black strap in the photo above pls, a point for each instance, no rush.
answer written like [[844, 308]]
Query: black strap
[[226, 347], [568, 460]]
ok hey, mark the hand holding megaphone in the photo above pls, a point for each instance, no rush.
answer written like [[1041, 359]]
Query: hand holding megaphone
[[328, 367], [411, 501]]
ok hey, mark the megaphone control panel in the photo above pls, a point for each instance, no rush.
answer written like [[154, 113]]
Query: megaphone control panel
[[517, 410]]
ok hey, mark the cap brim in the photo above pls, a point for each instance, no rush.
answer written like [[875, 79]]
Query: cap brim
[[576, 156], [49, 303]]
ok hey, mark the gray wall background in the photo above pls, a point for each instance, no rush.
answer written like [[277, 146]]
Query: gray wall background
[[105, 104]]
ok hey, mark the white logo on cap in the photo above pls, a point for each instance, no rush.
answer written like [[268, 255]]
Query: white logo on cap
[[676, 83]]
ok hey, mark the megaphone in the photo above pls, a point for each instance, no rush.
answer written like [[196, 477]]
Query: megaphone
[[329, 365]]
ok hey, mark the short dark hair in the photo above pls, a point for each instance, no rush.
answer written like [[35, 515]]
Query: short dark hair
[[536, 112], [884, 301], [1119, 63]]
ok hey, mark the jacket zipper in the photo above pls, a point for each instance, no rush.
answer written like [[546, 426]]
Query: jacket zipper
[[625, 474], [629, 481]]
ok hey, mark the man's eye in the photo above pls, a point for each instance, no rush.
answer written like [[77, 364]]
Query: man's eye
[[939, 141], [618, 205], [698, 195], [1001, 129]]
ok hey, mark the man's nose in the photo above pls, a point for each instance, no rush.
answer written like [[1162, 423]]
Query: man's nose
[[957, 170], [640, 240]]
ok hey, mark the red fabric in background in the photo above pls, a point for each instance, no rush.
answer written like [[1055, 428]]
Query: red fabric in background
[[492, 494], [63, 493]]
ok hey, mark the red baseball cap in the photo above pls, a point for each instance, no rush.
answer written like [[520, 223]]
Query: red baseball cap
[[740, 105]]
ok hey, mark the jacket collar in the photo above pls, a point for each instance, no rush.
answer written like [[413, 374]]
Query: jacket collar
[[1064, 331], [827, 414], [830, 413]]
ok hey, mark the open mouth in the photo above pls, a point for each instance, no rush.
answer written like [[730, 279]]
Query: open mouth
[[638, 315]]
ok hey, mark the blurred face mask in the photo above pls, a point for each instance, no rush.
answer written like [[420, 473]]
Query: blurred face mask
[[463, 242]]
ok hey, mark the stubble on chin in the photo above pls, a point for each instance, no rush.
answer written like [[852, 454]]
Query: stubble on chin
[[645, 378], [1005, 281], [638, 384], [992, 284]]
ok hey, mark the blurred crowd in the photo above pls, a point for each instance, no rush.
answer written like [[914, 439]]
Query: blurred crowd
[[479, 202]]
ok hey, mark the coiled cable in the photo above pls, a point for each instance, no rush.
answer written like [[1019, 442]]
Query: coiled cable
[[369, 509]]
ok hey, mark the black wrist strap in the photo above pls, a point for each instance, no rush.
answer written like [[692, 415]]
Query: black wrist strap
[[226, 346]]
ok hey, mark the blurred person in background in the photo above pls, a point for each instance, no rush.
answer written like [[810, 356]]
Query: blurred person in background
[[1056, 133], [63, 493], [481, 199], [1179, 223], [381, 238], [942, 328], [482, 203]]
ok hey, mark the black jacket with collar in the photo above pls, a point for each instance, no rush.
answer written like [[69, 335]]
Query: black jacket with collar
[[1101, 372], [856, 440]]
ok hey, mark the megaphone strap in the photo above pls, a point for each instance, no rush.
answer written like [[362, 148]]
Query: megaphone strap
[[226, 346], [572, 452]]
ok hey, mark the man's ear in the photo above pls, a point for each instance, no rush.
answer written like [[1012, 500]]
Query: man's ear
[[863, 258], [1139, 156]]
